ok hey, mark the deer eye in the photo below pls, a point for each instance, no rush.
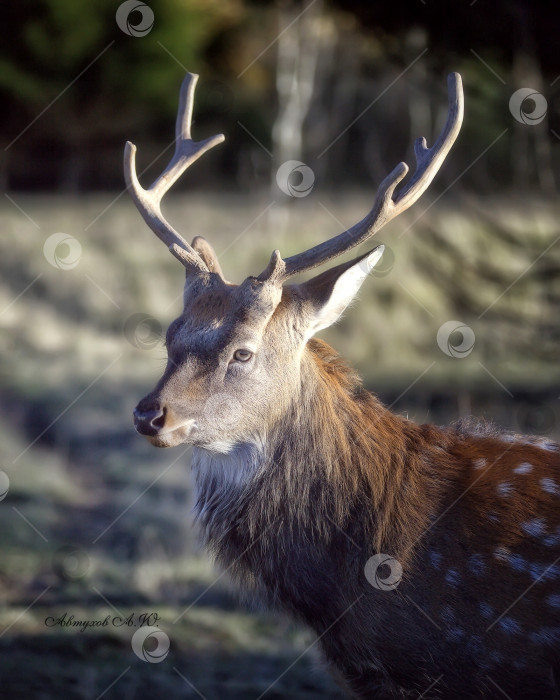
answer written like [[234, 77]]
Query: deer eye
[[242, 355]]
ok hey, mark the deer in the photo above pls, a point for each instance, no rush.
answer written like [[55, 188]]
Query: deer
[[425, 559]]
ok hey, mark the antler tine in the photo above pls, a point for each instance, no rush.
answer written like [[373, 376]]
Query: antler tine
[[387, 204], [187, 151]]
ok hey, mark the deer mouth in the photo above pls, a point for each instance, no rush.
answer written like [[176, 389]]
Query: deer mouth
[[171, 437]]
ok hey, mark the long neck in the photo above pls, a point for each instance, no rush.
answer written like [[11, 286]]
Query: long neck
[[350, 462], [339, 459]]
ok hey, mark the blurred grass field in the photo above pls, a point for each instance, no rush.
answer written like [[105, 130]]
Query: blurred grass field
[[75, 360]]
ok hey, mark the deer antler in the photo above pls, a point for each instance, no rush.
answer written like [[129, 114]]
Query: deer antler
[[187, 151], [388, 204]]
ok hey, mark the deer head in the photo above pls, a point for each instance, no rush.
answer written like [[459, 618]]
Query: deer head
[[237, 353]]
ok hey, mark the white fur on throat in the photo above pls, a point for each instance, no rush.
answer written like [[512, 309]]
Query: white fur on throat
[[221, 478]]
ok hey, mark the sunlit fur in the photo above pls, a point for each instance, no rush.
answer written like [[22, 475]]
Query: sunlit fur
[[343, 478], [303, 476]]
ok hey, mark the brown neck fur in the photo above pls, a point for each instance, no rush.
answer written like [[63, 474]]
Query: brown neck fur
[[340, 478], [391, 469], [338, 463]]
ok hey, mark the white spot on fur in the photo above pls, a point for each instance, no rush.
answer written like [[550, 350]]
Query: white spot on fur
[[455, 634], [502, 554], [504, 489], [544, 572], [509, 625], [548, 445], [496, 656], [447, 614], [510, 438], [546, 635], [517, 562], [479, 463], [523, 468], [534, 527], [435, 558], [452, 577], [476, 564], [552, 540], [550, 486]]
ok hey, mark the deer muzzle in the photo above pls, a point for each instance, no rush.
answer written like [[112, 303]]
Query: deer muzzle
[[156, 421]]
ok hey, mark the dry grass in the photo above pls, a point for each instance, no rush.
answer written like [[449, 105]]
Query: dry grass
[[71, 375]]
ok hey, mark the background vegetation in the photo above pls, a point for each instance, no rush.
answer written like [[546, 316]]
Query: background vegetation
[[96, 522]]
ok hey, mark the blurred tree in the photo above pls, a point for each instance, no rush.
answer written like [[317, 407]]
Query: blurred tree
[[57, 45], [499, 47], [75, 86]]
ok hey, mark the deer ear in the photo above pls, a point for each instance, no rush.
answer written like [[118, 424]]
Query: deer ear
[[207, 253], [329, 293]]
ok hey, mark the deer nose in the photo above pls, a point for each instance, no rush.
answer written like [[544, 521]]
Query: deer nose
[[149, 417]]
